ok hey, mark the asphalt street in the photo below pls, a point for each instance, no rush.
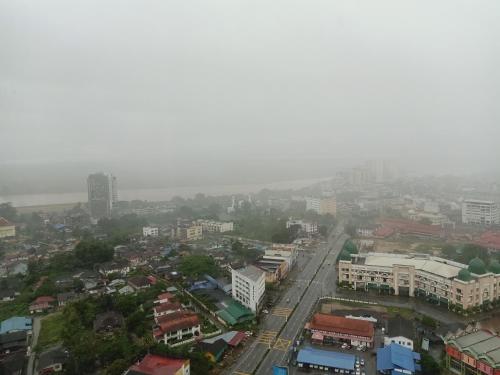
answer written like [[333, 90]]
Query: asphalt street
[[286, 320]]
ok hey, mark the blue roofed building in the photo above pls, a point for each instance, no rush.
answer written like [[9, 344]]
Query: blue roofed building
[[15, 324], [325, 360], [397, 359]]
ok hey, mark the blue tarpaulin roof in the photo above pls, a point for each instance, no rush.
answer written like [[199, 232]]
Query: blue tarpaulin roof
[[396, 356], [326, 358]]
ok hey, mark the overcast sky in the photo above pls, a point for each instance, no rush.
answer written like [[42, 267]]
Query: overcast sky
[[225, 84]]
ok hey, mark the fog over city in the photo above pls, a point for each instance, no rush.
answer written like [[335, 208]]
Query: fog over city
[[172, 93]]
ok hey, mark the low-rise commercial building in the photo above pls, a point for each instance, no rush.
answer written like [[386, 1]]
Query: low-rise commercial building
[[476, 211], [311, 358], [288, 252], [327, 329], [397, 359], [439, 280], [249, 286], [473, 353], [400, 340]]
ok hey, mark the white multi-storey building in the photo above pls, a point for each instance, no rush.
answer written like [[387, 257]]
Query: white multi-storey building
[[216, 226], [150, 232], [305, 226], [249, 286], [322, 206], [479, 212]]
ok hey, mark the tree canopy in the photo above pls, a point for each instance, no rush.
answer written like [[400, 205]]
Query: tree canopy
[[198, 265], [90, 252]]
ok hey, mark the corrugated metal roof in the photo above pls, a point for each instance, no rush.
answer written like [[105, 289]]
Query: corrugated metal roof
[[395, 356], [326, 358]]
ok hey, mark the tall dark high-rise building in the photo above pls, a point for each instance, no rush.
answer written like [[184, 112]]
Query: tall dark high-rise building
[[102, 190]]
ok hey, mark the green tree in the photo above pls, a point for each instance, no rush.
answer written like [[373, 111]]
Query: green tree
[[449, 251], [429, 365], [91, 252], [198, 265]]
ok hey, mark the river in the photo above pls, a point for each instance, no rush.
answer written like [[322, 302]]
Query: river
[[162, 194]]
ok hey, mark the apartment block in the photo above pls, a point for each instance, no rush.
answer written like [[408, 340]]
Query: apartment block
[[480, 212], [249, 286]]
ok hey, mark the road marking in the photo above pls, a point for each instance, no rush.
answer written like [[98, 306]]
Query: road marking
[[282, 344], [267, 337], [282, 311], [240, 373]]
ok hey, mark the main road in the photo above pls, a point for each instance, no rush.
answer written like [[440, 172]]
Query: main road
[[286, 320]]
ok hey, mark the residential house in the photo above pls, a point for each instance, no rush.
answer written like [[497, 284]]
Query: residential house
[[178, 327], [166, 309], [42, 304], [7, 295], [158, 365], [139, 282]]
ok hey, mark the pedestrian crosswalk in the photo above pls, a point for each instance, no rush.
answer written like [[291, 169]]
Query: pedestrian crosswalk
[[282, 311], [267, 337]]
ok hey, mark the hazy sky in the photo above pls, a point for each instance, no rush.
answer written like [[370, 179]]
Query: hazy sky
[[218, 85]]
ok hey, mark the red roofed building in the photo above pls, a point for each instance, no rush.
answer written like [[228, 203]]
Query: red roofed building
[[159, 365], [164, 298], [7, 229], [42, 304], [410, 227], [166, 309], [327, 328], [177, 327], [490, 240]]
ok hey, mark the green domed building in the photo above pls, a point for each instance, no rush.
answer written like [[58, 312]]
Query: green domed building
[[477, 266], [464, 275], [494, 266]]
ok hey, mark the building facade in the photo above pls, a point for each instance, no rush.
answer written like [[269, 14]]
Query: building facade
[[439, 280], [7, 229], [329, 329], [189, 232], [305, 226], [212, 226], [473, 353], [479, 212], [102, 194], [249, 286], [150, 231]]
